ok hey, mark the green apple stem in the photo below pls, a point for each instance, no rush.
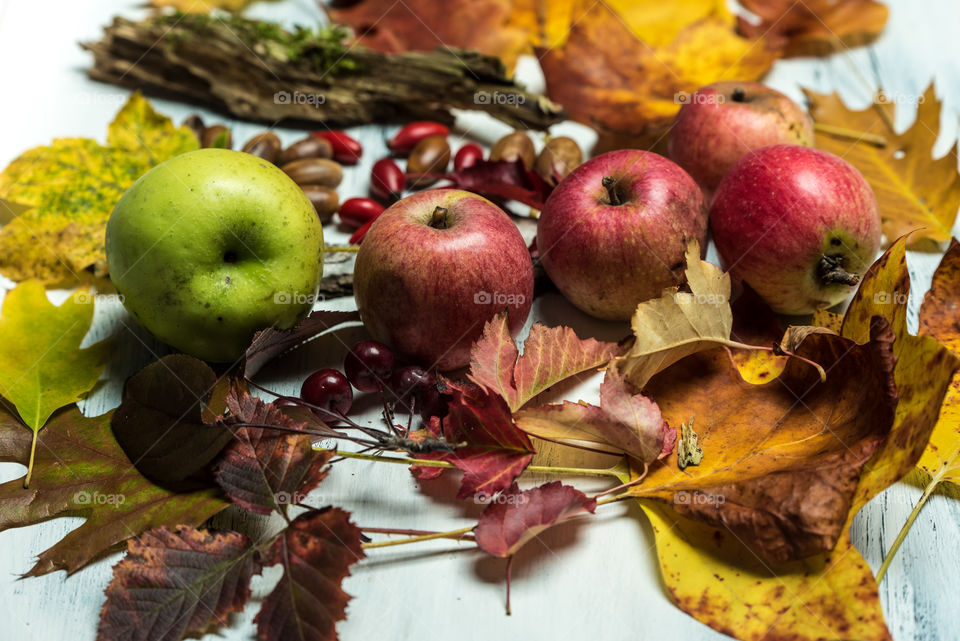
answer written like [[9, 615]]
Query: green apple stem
[[610, 184], [830, 271], [438, 220]]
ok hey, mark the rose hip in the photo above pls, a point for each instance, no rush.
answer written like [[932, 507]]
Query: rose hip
[[467, 156], [357, 212], [410, 136], [387, 181], [346, 150]]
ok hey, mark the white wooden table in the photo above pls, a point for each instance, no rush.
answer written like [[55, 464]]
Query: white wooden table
[[588, 580]]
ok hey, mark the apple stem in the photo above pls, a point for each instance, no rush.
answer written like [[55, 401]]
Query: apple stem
[[830, 271], [739, 95], [438, 220], [610, 183]]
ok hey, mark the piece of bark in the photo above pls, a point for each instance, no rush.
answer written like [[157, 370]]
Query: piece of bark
[[257, 71]]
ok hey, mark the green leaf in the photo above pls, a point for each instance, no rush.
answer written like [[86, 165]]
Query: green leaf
[[42, 367], [82, 471], [70, 188]]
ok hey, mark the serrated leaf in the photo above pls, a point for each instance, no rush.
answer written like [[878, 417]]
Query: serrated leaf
[[263, 469], [270, 343], [624, 423], [177, 582], [550, 355], [42, 366], [915, 192], [316, 551], [72, 186], [166, 423], [80, 470], [518, 517], [732, 589]]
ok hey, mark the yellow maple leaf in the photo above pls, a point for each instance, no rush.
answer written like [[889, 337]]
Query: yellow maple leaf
[[67, 190], [915, 192]]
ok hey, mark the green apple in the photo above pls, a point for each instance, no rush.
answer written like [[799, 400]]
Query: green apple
[[211, 246]]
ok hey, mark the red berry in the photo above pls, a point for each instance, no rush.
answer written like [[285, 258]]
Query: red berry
[[346, 149], [467, 156], [369, 365], [410, 135], [329, 389], [387, 181]]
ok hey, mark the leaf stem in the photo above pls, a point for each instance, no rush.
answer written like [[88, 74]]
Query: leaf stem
[[333, 249], [393, 530], [892, 552], [850, 134], [544, 469], [33, 452], [451, 534]]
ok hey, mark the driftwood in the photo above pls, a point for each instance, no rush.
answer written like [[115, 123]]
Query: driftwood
[[257, 71]]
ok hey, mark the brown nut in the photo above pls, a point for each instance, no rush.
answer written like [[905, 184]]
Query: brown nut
[[325, 201], [217, 136], [314, 171], [265, 145], [430, 156], [513, 146], [309, 147], [195, 123], [558, 158]]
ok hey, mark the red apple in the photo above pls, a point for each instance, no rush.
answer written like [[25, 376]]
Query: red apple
[[434, 268], [613, 233], [722, 121], [799, 225]]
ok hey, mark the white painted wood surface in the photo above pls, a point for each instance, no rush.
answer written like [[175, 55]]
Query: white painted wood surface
[[587, 580]]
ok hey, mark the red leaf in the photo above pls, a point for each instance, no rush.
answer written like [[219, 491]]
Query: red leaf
[[550, 355], [503, 178], [263, 469], [518, 517], [496, 451], [316, 551], [269, 343], [625, 422], [177, 582]]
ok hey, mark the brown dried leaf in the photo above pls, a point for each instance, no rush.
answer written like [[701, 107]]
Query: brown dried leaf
[[177, 582]]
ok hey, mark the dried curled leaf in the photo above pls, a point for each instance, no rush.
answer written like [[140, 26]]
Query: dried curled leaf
[[550, 355], [80, 470], [72, 186], [263, 469], [177, 582], [915, 192], [733, 591], [270, 343], [678, 324], [316, 551], [625, 423], [813, 27]]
